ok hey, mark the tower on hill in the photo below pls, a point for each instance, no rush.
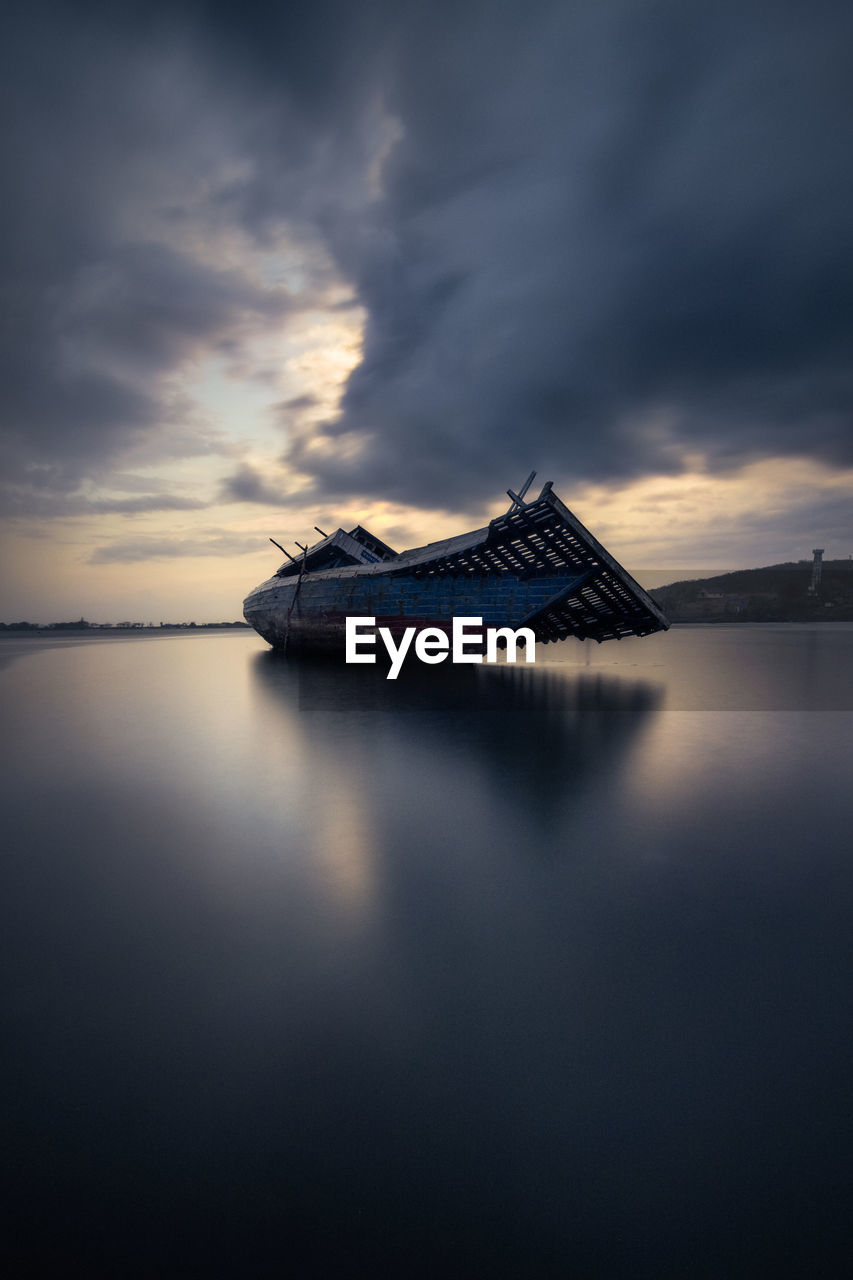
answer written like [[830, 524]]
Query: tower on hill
[[817, 565]]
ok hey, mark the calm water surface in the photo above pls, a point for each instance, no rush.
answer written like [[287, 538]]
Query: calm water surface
[[506, 972]]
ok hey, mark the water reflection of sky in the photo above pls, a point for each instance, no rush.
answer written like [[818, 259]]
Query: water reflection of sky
[[510, 971]]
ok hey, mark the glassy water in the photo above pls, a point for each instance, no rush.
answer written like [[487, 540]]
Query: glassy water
[[505, 972]]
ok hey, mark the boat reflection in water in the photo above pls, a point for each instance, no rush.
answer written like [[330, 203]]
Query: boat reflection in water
[[535, 735]]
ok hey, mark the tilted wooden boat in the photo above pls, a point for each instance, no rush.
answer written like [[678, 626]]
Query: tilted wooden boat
[[535, 566]]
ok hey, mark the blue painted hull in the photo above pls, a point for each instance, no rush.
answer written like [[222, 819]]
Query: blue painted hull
[[536, 566]]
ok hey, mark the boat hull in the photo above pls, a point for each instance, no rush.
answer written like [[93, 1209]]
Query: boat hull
[[315, 616], [536, 566]]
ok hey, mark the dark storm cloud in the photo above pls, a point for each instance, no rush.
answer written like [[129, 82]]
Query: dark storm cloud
[[248, 485], [592, 238], [148, 307], [296, 403], [115, 146], [611, 235], [80, 373], [811, 519]]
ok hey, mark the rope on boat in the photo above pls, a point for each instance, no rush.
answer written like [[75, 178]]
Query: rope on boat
[[295, 594]]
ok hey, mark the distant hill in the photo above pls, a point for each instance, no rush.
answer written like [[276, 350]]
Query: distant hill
[[777, 593]]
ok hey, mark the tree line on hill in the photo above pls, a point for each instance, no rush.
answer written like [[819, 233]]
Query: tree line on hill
[[777, 593]]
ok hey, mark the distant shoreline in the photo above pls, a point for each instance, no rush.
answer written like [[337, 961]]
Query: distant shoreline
[[95, 632], [113, 628], [16, 644]]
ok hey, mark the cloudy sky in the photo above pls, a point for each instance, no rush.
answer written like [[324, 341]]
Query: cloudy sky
[[265, 266]]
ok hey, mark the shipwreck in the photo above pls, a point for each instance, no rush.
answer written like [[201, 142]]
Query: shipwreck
[[535, 566]]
